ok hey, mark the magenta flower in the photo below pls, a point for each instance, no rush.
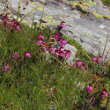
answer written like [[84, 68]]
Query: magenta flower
[[94, 59], [97, 59], [56, 36], [56, 53], [39, 42], [78, 63], [89, 88], [41, 37], [52, 49], [83, 66], [8, 23], [27, 54], [16, 55], [104, 92], [6, 67], [61, 52], [5, 17], [63, 25], [62, 42], [44, 48], [44, 43], [67, 54], [15, 25], [74, 103]]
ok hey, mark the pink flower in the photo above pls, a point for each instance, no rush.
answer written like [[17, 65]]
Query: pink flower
[[89, 88], [94, 59], [39, 42], [62, 42], [8, 23], [62, 53], [97, 59], [52, 49], [6, 67], [83, 66], [5, 17], [15, 25], [44, 43], [63, 25], [104, 92], [78, 63], [27, 54], [41, 37], [74, 103], [12, 24], [56, 36], [44, 48], [56, 53], [16, 55], [67, 54]]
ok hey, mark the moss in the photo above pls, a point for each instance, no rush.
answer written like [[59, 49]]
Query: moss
[[97, 15]]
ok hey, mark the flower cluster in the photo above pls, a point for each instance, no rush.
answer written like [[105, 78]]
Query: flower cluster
[[41, 42], [59, 50], [6, 67], [81, 65], [16, 56], [11, 24], [102, 93], [97, 59]]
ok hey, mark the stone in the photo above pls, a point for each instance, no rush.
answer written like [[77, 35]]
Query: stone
[[2, 6], [71, 60]]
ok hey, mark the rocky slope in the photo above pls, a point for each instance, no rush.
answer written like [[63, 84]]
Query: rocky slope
[[89, 30]]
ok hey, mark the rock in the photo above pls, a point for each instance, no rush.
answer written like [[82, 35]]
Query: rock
[[13, 4], [71, 60], [2, 6]]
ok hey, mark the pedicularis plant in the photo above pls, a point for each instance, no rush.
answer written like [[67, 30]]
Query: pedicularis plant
[[33, 67]]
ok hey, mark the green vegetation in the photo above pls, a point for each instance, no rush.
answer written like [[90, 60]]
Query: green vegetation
[[107, 2], [38, 83]]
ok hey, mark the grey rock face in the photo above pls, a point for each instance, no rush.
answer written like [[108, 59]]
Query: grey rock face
[[2, 6], [89, 31]]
